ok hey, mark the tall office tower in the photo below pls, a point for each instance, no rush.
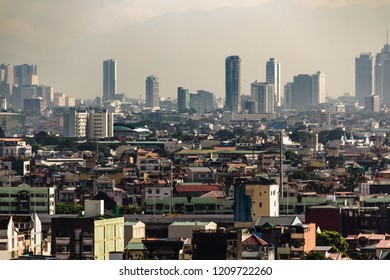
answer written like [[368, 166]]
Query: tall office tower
[[183, 100], [233, 84], [75, 123], [301, 91], [318, 91], [288, 88], [109, 79], [273, 76], [202, 101], [25, 75], [382, 74], [372, 103], [363, 76], [7, 74], [264, 96], [152, 92]]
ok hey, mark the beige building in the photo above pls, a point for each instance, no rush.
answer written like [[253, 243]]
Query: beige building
[[20, 234], [185, 229], [93, 236]]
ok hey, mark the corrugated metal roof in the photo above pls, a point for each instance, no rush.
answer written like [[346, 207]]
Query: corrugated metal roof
[[196, 188]]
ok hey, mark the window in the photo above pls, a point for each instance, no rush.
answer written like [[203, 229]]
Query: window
[[260, 204]]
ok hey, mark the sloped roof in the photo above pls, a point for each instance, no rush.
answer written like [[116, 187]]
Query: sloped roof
[[254, 240], [196, 188], [281, 221]]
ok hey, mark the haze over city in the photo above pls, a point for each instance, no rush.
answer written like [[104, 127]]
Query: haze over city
[[185, 43]]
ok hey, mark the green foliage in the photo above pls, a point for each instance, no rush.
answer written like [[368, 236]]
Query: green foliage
[[304, 175], [334, 239], [314, 256], [69, 208], [329, 135], [131, 209]]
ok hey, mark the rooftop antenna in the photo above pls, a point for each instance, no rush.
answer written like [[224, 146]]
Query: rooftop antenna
[[387, 41]]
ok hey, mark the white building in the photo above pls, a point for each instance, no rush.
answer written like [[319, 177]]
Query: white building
[[318, 90], [14, 147], [100, 124], [273, 76], [264, 96], [75, 123]]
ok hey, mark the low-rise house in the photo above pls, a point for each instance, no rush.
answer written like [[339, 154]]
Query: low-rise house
[[255, 248], [185, 229]]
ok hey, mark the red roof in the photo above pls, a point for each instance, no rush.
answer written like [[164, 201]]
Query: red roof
[[196, 188]]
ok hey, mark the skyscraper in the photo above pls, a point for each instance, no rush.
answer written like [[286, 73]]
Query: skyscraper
[[183, 99], [363, 77], [109, 79], [264, 96], [233, 84], [301, 91], [273, 76], [25, 75], [318, 90], [152, 92], [382, 74]]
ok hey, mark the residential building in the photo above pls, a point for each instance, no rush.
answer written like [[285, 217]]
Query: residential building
[[254, 199], [318, 90], [146, 162], [47, 94], [364, 74], [33, 105], [19, 235], [273, 76], [217, 244], [14, 147], [263, 94], [255, 248], [24, 199], [100, 124], [133, 230], [92, 236], [12, 123], [290, 237], [186, 229], [371, 103], [152, 92], [183, 100], [59, 99], [75, 123], [202, 101], [233, 84], [201, 174]]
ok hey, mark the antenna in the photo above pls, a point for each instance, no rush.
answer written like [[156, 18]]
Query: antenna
[[387, 42]]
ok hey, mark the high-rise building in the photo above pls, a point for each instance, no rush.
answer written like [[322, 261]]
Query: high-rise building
[[183, 99], [318, 91], [382, 74], [372, 103], [202, 101], [264, 96], [363, 76], [109, 79], [301, 94], [100, 124], [306, 90], [75, 123], [25, 75], [47, 94], [7, 74], [233, 84], [288, 95], [152, 92], [273, 76]]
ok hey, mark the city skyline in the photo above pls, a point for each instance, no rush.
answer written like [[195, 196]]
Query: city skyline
[[306, 38]]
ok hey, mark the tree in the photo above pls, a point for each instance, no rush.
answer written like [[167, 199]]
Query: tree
[[314, 256], [69, 208], [334, 239]]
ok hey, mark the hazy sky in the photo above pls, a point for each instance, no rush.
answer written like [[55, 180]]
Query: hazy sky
[[53, 33]]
